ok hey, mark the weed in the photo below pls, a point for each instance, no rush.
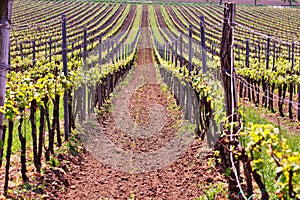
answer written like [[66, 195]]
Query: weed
[[214, 190], [105, 109], [132, 195], [54, 162]]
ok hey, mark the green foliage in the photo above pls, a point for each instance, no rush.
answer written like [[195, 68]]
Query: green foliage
[[253, 115], [132, 196], [54, 162], [36, 83], [213, 191], [105, 109], [257, 72], [267, 145]]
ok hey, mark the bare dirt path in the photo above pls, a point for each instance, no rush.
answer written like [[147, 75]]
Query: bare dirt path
[[186, 178]]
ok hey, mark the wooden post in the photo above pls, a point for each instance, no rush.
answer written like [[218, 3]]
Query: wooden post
[[265, 85], [21, 50], [229, 82], [190, 49], [73, 48], [203, 39], [268, 52], [180, 50], [112, 51], [108, 85], [274, 55], [45, 50], [247, 53], [118, 51], [50, 49], [258, 52], [291, 89], [85, 67], [84, 46], [227, 59], [298, 115], [159, 47], [272, 86], [293, 55], [5, 14], [165, 53], [176, 48], [65, 71], [172, 52], [278, 51], [289, 53], [127, 51], [123, 52], [169, 51], [33, 53]]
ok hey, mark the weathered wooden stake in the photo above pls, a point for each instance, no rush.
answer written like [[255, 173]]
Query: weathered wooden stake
[[50, 49], [265, 84], [84, 46], [268, 52], [172, 52], [33, 53], [289, 48], [21, 50], [65, 71], [180, 51], [229, 82], [203, 39], [274, 55], [293, 55], [259, 52], [190, 49], [247, 53], [176, 48], [112, 51], [85, 67]]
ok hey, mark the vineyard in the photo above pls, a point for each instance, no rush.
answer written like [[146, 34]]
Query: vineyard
[[149, 100]]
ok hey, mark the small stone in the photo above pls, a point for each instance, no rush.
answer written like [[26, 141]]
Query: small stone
[[73, 187]]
